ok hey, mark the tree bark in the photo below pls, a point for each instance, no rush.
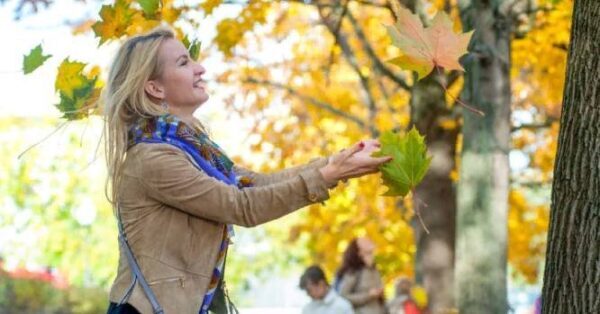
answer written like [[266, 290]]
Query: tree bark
[[572, 273], [482, 200], [434, 261]]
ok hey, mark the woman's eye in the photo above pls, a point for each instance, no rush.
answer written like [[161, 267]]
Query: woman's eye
[[184, 62]]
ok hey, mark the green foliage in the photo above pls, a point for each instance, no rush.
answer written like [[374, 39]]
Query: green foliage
[[73, 108], [28, 296], [149, 6], [34, 59], [193, 47], [37, 296], [52, 196], [410, 163]]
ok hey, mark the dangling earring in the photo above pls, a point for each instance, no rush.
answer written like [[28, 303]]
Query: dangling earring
[[164, 105]]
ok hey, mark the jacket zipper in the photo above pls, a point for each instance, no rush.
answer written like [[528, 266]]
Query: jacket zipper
[[180, 279]]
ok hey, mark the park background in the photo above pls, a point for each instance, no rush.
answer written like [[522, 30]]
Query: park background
[[283, 90]]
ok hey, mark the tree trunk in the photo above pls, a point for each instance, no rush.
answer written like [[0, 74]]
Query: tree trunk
[[434, 261], [482, 202], [572, 274]]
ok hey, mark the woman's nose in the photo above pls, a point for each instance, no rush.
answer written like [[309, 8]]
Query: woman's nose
[[199, 69]]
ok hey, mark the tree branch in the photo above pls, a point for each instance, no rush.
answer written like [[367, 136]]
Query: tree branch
[[351, 58], [398, 79], [311, 100], [380, 5], [337, 30], [534, 126]]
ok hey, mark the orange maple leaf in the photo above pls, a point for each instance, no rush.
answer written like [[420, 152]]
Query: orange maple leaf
[[426, 48]]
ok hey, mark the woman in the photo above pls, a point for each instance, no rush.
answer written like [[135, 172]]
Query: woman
[[358, 279], [176, 192]]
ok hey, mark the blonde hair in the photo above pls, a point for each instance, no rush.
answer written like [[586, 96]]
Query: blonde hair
[[125, 100]]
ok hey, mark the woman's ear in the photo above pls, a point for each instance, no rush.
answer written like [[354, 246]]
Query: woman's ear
[[154, 89]]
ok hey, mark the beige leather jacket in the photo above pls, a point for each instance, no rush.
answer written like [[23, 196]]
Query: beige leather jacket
[[173, 215]]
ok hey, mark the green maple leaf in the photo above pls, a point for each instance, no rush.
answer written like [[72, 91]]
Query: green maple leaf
[[79, 103], [193, 47], [34, 59], [410, 163], [149, 6]]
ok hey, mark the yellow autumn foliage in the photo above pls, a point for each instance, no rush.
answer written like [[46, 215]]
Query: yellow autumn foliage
[[537, 72], [527, 227]]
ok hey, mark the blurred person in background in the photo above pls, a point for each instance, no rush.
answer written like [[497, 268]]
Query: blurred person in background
[[358, 280], [325, 299], [403, 302]]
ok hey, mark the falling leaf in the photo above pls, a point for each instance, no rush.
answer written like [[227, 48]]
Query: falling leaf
[[80, 103], [149, 6], [115, 21], [410, 163], [78, 91], [139, 24], [34, 59], [425, 48], [70, 77], [209, 5], [193, 47], [83, 27], [168, 12]]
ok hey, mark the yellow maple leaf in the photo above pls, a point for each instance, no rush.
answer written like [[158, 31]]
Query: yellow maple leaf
[[115, 21], [209, 5], [70, 77], [168, 12], [140, 24]]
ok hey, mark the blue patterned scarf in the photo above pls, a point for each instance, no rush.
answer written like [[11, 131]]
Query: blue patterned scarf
[[207, 156]]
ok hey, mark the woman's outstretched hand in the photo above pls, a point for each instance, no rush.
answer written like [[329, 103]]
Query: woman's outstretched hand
[[353, 162]]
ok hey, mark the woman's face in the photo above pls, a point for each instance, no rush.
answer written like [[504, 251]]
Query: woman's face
[[181, 84], [366, 250]]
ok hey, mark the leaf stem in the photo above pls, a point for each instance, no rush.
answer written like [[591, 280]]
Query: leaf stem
[[417, 211], [43, 139], [472, 109]]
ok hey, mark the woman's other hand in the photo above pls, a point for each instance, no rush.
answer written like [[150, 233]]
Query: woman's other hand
[[353, 162], [376, 293]]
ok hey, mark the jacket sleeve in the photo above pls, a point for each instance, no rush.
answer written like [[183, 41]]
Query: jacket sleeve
[[170, 178], [347, 287], [259, 179]]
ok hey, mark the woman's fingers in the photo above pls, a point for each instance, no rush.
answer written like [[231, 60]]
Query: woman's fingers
[[357, 147], [381, 160], [357, 161], [353, 150], [372, 143]]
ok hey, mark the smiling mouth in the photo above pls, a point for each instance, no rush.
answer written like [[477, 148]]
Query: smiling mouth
[[199, 84]]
